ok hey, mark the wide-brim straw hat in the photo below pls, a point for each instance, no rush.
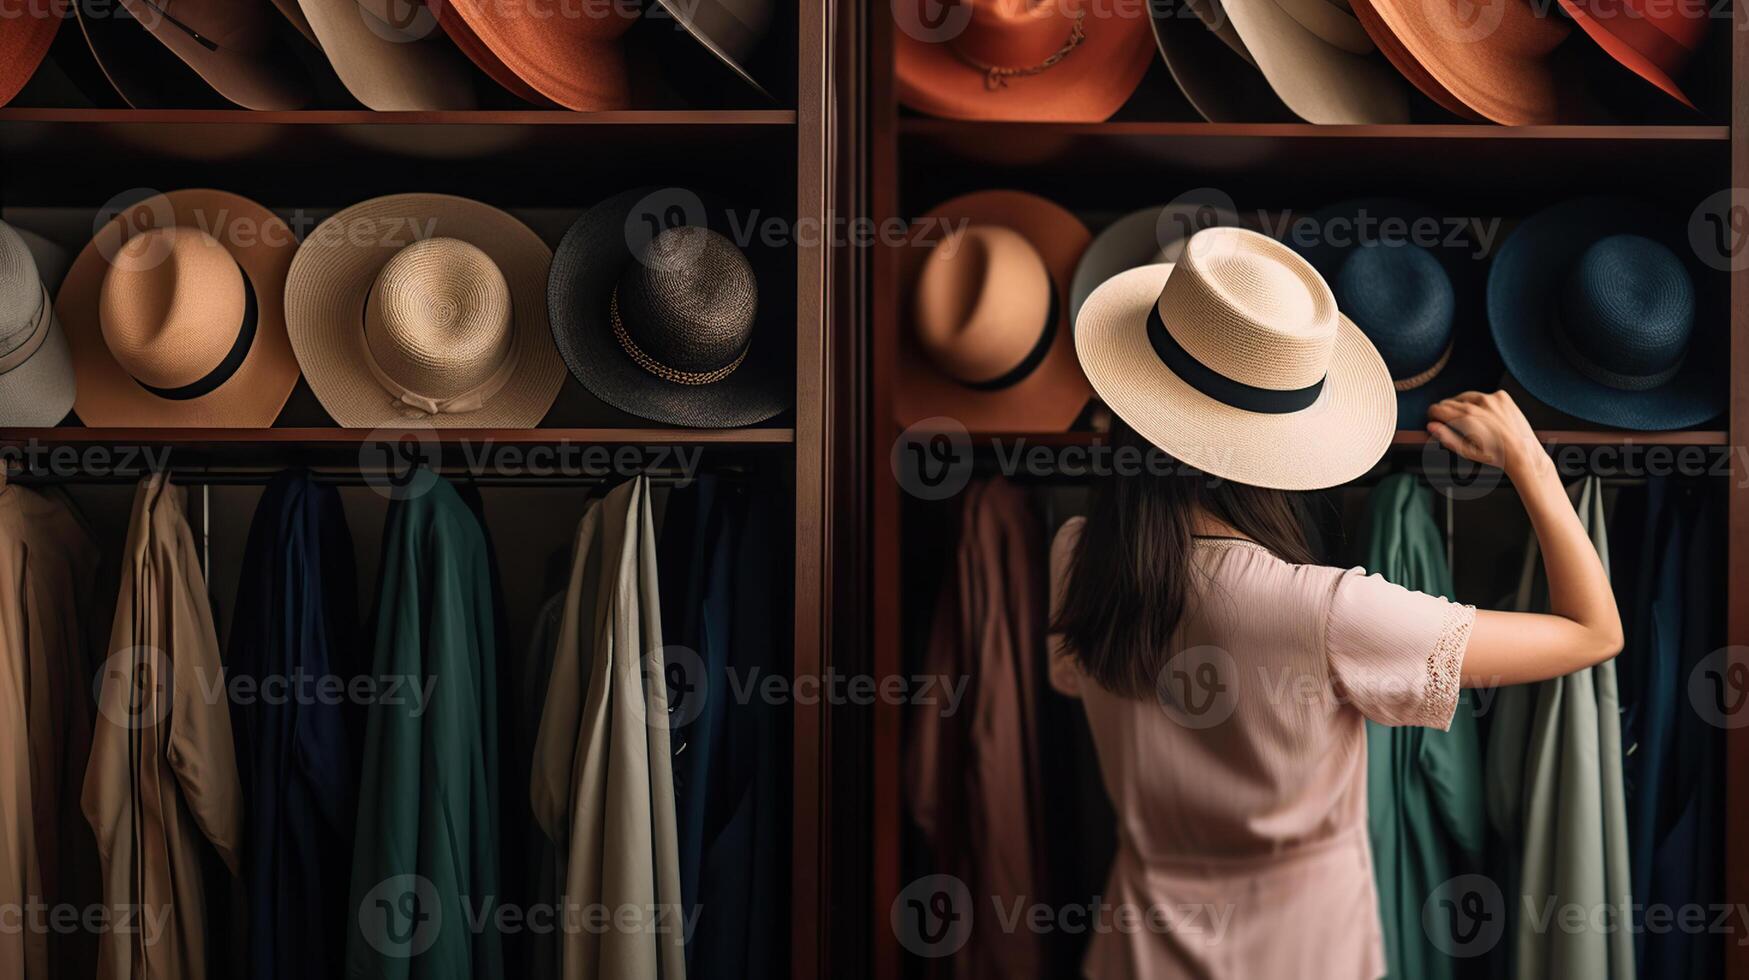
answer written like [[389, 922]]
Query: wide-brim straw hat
[[1499, 61], [1211, 65], [27, 30], [1600, 309], [425, 309], [391, 63], [572, 55], [1004, 326], [1320, 61], [729, 29], [1021, 61], [1236, 361], [37, 383], [682, 326], [175, 314]]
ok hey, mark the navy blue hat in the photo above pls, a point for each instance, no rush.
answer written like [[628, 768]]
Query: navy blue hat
[[1596, 309], [1411, 280]]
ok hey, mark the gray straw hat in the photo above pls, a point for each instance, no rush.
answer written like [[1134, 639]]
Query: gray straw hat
[[36, 370]]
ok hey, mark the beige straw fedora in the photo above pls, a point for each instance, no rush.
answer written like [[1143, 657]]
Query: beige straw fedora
[[988, 341], [175, 316], [425, 309], [1236, 361], [1320, 61]]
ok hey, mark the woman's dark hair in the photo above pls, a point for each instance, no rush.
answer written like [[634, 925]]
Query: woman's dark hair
[[1130, 579]]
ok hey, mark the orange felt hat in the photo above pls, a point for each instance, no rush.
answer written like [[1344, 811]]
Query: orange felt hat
[[26, 30], [571, 54]]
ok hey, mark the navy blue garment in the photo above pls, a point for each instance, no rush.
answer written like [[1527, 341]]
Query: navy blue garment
[[294, 639], [724, 598]]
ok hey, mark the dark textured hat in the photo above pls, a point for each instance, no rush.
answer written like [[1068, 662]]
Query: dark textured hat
[[668, 326], [1597, 307]]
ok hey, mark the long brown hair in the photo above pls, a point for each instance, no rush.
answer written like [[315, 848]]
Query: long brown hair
[[1130, 580]]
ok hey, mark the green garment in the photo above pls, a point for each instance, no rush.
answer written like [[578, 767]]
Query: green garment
[[1555, 796], [425, 864], [1423, 786]]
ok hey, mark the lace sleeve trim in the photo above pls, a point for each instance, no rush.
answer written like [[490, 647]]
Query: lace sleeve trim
[[1445, 667]]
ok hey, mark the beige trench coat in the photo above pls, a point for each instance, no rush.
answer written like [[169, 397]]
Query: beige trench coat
[[603, 782], [162, 784]]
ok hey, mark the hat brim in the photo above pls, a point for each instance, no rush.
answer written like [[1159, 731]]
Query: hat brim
[[385, 72], [1089, 85], [730, 53], [23, 46], [581, 69], [1336, 440], [1626, 54], [588, 264], [265, 78], [481, 54], [1051, 397], [332, 277], [1521, 288], [262, 246], [1320, 82], [1132, 241], [1474, 363], [1220, 84]]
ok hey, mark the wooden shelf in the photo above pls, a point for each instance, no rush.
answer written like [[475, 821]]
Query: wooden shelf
[[335, 438], [365, 117], [928, 127]]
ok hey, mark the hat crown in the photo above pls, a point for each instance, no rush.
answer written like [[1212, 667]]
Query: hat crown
[[1016, 33], [690, 300], [982, 301], [1251, 309], [1627, 306], [438, 319], [171, 305], [1401, 297], [21, 290]]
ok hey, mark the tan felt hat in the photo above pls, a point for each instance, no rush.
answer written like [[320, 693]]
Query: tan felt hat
[[1320, 61], [1236, 361], [1025, 60], [425, 308], [988, 342], [175, 315], [391, 54], [569, 53], [233, 45]]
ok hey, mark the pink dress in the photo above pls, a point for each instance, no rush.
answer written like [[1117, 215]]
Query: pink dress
[[1240, 791]]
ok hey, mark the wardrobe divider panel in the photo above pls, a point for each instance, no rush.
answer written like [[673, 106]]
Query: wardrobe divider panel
[[1737, 546]]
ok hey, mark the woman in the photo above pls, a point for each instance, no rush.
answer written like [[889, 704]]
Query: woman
[[1225, 674]]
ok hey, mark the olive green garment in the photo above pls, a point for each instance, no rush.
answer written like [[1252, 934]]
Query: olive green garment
[[1423, 786], [1555, 796], [603, 783], [425, 857]]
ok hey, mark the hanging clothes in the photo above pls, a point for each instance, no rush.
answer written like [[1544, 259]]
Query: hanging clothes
[[425, 858], [1557, 800], [1424, 787], [723, 598], [543, 881], [972, 775], [161, 791], [49, 634], [603, 787], [294, 636]]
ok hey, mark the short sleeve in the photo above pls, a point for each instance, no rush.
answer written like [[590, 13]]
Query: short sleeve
[[1065, 671], [1397, 655]]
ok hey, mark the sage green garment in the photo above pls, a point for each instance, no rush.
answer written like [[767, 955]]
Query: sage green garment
[[603, 782], [1423, 786], [1555, 795], [425, 858]]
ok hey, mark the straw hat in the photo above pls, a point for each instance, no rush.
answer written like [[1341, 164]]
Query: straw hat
[[388, 62], [1497, 61], [231, 47], [36, 370], [1236, 361], [1029, 60], [1654, 41], [570, 54], [1212, 66], [729, 29], [424, 308], [1597, 309], [680, 326], [27, 29], [988, 342], [1320, 61], [1145, 237], [175, 314]]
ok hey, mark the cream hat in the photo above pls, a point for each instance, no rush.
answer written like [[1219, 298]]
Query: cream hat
[[1236, 361], [425, 308]]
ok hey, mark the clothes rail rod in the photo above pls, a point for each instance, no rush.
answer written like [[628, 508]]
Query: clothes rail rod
[[364, 478]]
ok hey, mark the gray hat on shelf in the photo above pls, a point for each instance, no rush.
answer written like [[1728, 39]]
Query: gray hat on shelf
[[36, 370]]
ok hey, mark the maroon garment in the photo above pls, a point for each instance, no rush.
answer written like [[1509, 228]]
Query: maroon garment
[[972, 774]]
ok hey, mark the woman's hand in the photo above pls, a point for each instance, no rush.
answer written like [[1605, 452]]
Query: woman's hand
[[1487, 429]]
